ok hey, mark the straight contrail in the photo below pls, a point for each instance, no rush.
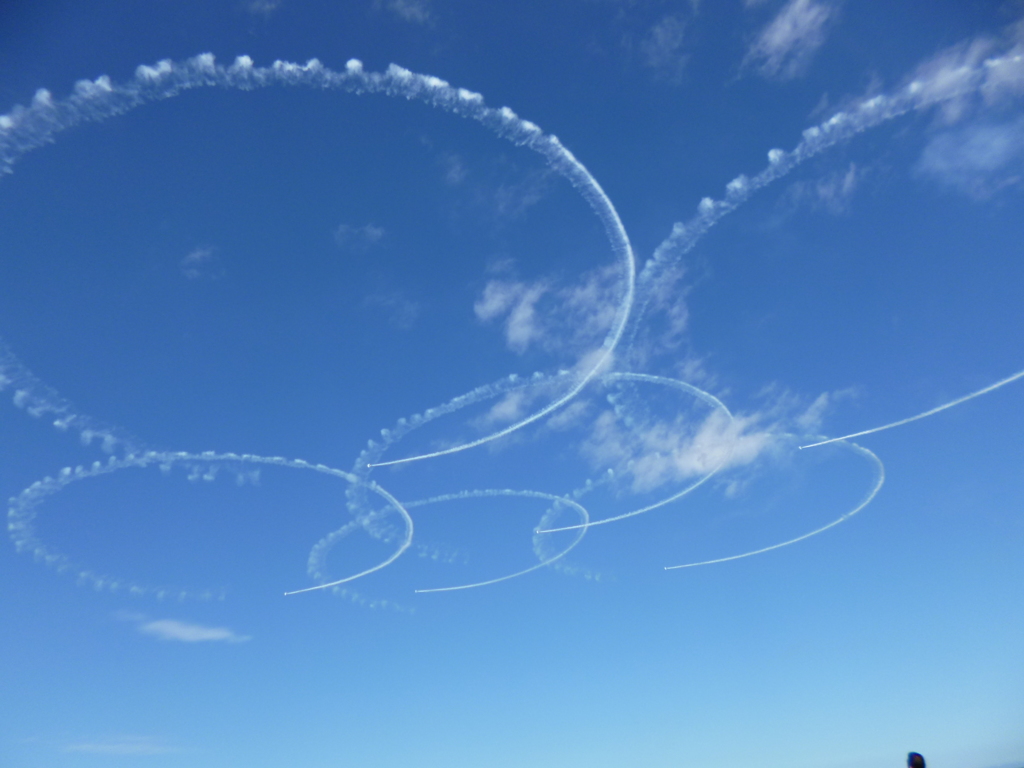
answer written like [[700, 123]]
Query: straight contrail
[[926, 414]]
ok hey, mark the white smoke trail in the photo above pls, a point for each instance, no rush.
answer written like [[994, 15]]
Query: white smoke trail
[[879, 480], [25, 128], [22, 509], [406, 542], [494, 493], [945, 79], [689, 389], [926, 414], [39, 400], [358, 503], [970, 71]]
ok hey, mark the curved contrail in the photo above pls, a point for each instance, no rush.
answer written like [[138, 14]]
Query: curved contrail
[[879, 480], [26, 128], [21, 511], [556, 500], [689, 389]]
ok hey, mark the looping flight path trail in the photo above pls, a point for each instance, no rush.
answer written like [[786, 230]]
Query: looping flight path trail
[[26, 128]]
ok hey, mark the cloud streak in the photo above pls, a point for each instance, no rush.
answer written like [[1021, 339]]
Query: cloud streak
[[183, 632], [784, 48]]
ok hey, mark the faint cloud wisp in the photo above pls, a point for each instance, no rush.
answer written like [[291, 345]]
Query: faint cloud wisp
[[784, 48]]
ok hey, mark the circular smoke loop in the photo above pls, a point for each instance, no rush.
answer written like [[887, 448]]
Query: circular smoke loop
[[27, 128]]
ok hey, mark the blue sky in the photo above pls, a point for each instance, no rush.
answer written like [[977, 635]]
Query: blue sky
[[763, 224]]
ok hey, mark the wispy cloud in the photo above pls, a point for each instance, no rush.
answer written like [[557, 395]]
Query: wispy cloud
[[659, 336], [786, 45], [662, 49], [659, 451], [358, 239], [672, 451], [519, 302], [570, 318], [832, 193], [201, 264], [979, 159], [400, 311], [974, 76], [512, 199], [171, 629], [455, 170], [129, 746], [180, 631], [264, 8], [977, 147], [412, 11]]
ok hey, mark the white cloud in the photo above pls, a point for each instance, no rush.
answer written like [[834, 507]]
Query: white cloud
[[124, 745], [979, 158], [665, 321], [673, 451], [571, 319], [510, 408], [979, 83], [201, 264], [358, 239], [662, 47], [518, 301], [412, 11], [455, 171], [171, 629], [262, 8], [812, 417], [832, 193], [513, 199], [659, 451], [786, 45]]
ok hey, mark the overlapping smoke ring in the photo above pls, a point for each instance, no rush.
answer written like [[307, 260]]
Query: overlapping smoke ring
[[25, 128], [360, 507], [22, 509]]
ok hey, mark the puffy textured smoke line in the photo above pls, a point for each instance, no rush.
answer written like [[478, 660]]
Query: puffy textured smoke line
[[549, 514], [25, 128], [926, 414], [22, 510], [879, 481], [39, 400], [944, 79]]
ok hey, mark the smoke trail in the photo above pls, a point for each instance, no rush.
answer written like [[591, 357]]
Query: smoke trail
[[944, 79], [556, 500], [879, 480], [26, 128], [39, 400], [22, 509], [689, 389], [393, 504], [932, 412], [357, 500]]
